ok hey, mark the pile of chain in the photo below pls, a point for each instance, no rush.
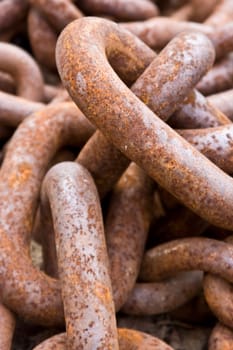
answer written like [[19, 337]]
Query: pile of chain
[[116, 157]]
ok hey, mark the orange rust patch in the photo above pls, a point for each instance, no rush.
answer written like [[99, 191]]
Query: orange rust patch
[[74, 278], [22, 175], [190, 99], [103, 293], [145, 98], [69, 328], [131, 337], [28, 223]]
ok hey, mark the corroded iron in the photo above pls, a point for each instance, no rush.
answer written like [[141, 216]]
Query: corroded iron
[[33, 145], [98, 155], [219, 78], [127, 224], [224, 102], [165, 156], [222, 38], [104, 161], [160, 297], [12, 12], [7, 326], [221, 338], [24, 70], [40, 31], [188, 254], [153, 182], [178, 67], [14, 109], [214, 143], [121, 9], [82, 257], [157, 32], [222, 14], [58, 12], [218, 294], [129, 339], [201, 10], [198, 112]]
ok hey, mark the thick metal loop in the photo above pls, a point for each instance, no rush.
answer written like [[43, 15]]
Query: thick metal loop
[[34, 296], [128, 123], [82, 257], [121, 9], [11, 12], [129, 339], [24, 70], [221, 338], [195, 253]]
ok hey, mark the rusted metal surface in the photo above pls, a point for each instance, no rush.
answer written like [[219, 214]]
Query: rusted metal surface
[[24, 70], [11, 12], [46, 19], [33, 145], [43, 231], [7, 326], [202, 9], [219, 78], [104, 161], [58, 12], [184, 13], [160, 297], [14, 109], [215, 143], [57, 342], [221, 338], [61, 95], [157, 32], [188, 254], [222, 14], [222, 39], [40, 31], [198, 112], [153, 182], [165, 156], [7, 83], [121, 9], [218, 294], [224, 102], [129, 339], [82, 257], [178, 67], [97, 155], [127, 224]]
